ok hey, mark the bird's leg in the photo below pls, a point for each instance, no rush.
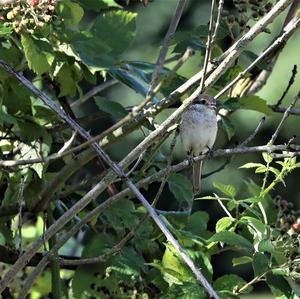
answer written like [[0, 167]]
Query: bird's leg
[[210, 152], [190, 157]]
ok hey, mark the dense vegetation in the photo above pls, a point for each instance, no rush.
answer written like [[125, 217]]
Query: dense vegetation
[[71, 223]]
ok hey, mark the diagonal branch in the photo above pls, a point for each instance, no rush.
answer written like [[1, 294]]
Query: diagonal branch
[[164, 49]]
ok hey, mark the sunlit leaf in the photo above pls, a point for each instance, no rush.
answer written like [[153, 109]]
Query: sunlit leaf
[[228, 190]]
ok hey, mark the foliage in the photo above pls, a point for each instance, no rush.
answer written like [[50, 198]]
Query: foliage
[[66, 48]]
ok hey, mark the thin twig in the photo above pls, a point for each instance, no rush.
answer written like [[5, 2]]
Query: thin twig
[[284, 117], [20, 220], [251, 137], [225, 209], [208, 45], [220, 9], [94, 91], [293, 111], [228, 160], [165, 46], [67, 144], [291, 82]]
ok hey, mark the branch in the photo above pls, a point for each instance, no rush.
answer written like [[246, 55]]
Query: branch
[[132, 121], [163, 52], [208, 45], [292, 111], [10, 256], [220, 9], [291, 82], [99, 209], [94, 91], [284, 117], [119, 172]]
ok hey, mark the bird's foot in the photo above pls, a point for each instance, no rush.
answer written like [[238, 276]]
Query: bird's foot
[[190, 158], [210, 152]]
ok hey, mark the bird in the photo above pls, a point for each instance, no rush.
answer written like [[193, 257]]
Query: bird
[[198, 131]]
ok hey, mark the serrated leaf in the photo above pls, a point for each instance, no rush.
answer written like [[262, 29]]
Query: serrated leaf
[[261, 169], [37, 60], [227, 126], [251, 165], [116, 110], [223, 224], [174, 269], [232, 239], [181, 187], [228, 190], [254, 103], [99, 48], [236, 261]]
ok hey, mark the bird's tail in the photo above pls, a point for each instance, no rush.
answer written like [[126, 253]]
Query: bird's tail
[[197, 169]]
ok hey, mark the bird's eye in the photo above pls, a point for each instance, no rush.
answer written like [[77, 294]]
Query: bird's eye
[[202, 102]]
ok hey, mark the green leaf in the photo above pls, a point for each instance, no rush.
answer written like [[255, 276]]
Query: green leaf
[[197, 222], [186, 291], [174, 269], [266, 246], [5, 30], [223, 224], [229, 282], [121, 24], [232, 239], [236, 261], [262, 64], [228, 190], [98, 5], [260, 264], [7, 118], [267, 157], [227, 126], [256, 227], [37, 60], [254, 103], [116, 110], [181, 187], [72, 12], [110, 35], [67, 81], [129, 79], [251, 165], [278, 286], [230, 104]]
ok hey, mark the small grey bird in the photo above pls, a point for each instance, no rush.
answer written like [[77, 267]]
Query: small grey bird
[[198, 132]]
